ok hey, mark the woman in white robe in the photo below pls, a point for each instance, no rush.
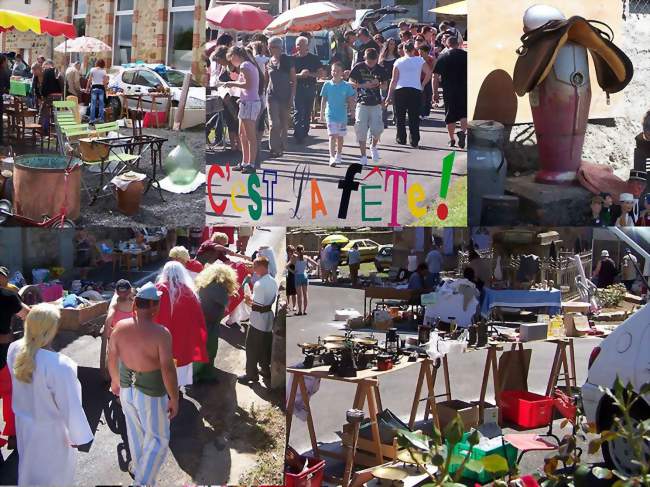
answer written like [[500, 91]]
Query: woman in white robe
[[50, 420]]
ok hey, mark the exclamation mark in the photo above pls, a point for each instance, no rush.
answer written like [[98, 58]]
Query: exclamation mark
[[447, 164]]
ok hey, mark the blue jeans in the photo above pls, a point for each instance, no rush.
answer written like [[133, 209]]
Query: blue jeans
[[303, 105], [96, 95]]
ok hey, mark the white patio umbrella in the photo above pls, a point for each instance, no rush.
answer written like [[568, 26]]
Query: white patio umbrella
[[81, 44]]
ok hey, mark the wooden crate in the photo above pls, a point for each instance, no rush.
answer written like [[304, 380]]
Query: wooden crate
[[367, 447], [72, 319]]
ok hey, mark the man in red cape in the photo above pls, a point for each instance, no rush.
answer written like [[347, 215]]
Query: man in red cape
[[181, 313]]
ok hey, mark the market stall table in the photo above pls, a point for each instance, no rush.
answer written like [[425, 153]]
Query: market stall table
[[520, 298], [367, 388], [563, 367], [401, 295]]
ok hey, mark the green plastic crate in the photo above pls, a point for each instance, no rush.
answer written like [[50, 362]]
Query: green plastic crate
[[477, 472]]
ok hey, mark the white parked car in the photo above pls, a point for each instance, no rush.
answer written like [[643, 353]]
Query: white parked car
[[626, 354], [136, 79]]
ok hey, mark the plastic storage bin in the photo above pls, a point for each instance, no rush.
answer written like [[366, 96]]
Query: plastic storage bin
[[312, 477], [526, 409], [481, 475]]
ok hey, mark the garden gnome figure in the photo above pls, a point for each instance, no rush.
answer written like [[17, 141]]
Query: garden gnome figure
[[607, 213], [627, 206], [596, 210], [636, 185]]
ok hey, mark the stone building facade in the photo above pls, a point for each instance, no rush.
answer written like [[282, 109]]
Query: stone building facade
[[152, 31]]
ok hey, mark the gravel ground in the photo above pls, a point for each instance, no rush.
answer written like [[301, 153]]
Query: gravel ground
[[177, 209]]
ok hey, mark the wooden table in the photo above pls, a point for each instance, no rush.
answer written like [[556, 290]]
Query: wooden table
[[560, 362], [367, 389], [384, 294]]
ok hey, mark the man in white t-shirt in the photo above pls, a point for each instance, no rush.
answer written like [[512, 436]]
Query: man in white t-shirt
[[259, 338], [354, 261], [628, 270]]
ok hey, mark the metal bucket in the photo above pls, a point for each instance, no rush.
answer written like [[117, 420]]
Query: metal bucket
[[40, 186], [128, 200], [486, 165]]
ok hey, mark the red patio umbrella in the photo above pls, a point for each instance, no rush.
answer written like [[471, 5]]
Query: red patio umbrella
[[238, 17]]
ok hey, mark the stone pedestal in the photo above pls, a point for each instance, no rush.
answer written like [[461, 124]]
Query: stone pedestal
[[546, 204]]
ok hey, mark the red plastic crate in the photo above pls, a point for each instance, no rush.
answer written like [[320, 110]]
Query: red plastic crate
[[312, 477], [526, 409]]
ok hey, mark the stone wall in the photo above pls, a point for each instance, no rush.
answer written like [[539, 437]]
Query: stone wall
[[100, 22], [150, 19], [23, 249]]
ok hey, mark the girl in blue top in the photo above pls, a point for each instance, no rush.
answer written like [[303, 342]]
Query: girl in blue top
[[337, 95], [302, 264]]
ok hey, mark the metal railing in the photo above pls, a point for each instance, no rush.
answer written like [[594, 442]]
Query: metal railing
[[637, 7]]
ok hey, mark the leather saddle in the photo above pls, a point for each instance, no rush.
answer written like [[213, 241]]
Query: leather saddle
[[540, 48]]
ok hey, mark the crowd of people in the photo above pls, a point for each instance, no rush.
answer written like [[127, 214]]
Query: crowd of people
[[607, 273], [160, 337], [422, 278], [364, 77], [48, 84]]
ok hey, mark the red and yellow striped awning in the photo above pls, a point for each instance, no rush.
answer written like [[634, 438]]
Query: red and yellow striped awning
[[10, 20]]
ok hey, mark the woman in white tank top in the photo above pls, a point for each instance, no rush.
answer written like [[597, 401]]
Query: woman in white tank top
[[410, 74]]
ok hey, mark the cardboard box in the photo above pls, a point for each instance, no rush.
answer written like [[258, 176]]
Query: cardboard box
[[533, 331], [575, 324], [358, 322], [575, 307], [447, 412], [73, 319]]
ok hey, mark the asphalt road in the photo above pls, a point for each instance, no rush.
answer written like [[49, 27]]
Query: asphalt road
[[334, 398], [311, 160]]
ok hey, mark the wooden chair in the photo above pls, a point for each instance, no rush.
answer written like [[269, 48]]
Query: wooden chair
[[93, 154], [75, 108], [25, 122]]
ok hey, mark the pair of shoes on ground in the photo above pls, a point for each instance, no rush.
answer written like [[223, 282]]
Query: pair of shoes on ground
[[374, 154], [403, 142], [245, 168], [363, 160], [461, 140], [246, 380], [334, 160]]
